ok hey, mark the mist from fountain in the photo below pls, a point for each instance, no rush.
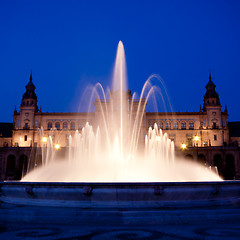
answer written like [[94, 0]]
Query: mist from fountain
[[114, 149]]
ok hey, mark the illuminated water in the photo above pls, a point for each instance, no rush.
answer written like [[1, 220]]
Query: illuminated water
[[114, 150]]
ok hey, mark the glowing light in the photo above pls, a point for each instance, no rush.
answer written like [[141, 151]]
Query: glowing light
[[57, 146], [44, 139], [196, 138], [183, 146], [158, 138]]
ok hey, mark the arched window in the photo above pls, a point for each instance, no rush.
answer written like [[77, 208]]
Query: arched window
[[183, 125], [168, 125], [151, 124], [72, 125], [49, 126], [160, 125], [175, 125], [57, 125], [191, 125], [65, 125]]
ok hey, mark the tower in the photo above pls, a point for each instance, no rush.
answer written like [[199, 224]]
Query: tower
[[24, 120], [212, 106], [215, 121], [28, 105]]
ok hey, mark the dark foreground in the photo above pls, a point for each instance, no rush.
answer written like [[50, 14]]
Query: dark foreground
[[179, 224], [112, 211]]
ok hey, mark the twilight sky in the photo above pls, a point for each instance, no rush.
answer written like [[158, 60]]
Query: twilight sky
[[70, 44]]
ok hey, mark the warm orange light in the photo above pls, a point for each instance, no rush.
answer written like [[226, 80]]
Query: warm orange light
[[196, 138], [183, 146], [57, 146], [44, 139]]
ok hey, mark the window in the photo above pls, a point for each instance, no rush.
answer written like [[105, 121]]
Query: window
[[25, 138], [175, 125], [168, 125], [223, 122], [72, 125], [214, 125], [36, 123], [151, 124], [183, 125], [191, 125], [65, 125], [172, 137], [49, 126], [189, 141], [215, 137], [26, 126], [80, 126], [160, 125], [57, 125]]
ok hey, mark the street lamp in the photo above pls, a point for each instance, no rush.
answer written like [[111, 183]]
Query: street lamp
[[196, 138], [57, 146], [183, 146]]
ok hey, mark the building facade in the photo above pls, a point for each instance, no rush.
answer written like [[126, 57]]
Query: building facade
[[202, 136]]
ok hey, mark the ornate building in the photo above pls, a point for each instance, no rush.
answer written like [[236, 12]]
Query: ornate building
[[210, 124], [202, 135]]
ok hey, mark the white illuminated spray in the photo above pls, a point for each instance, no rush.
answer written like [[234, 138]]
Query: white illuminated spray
[[110, 153]]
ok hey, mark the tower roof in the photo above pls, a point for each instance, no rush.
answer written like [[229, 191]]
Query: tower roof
[[30, 89], [29, 94], [210, 83], [30, 86], [211, 97]]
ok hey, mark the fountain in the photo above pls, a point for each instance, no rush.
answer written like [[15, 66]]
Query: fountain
[[110, 172], [115, 151]]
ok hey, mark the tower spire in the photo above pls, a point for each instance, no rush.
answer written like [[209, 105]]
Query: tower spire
[[210, 76], [30, 78]]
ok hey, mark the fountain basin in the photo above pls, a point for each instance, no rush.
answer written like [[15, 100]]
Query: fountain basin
[[121, 195], [125, 204]]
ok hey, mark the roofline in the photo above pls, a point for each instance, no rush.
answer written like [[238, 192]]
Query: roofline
[[175, 113]]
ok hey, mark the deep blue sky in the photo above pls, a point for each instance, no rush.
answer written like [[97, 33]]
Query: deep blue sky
[[69, 44]]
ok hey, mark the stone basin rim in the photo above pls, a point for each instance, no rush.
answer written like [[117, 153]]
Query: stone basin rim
[[109, 184]]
